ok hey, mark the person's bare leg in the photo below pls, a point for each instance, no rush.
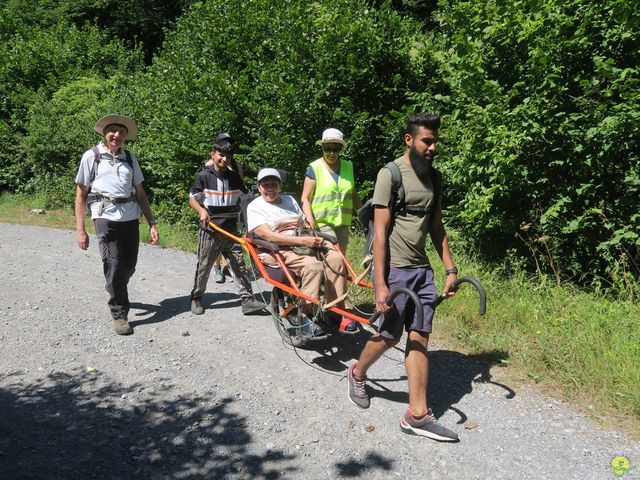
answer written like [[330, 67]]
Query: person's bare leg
[[372, 351], [416, 362]]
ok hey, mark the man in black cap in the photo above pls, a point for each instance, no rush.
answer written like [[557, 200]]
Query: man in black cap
[[215, 195]]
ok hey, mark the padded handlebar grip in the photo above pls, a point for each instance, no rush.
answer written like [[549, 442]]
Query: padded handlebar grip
[[478, 286]]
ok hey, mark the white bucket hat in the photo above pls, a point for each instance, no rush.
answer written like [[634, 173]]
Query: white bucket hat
[[126, 122], [332, 135]]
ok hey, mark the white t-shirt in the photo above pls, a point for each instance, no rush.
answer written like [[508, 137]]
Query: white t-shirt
[[114, 179], [283, 216]]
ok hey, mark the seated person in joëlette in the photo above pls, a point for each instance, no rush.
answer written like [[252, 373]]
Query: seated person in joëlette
[[276, 218]]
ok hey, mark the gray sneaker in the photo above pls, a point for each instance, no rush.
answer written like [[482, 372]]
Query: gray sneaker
[[251, 305], [427, 426], [357, 389], [196, 306], [122, 327]]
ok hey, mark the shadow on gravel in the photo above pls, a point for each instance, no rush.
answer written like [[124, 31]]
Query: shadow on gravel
[[338, 350], [172, 307], [83, 426], [451, 377], [371, 463]]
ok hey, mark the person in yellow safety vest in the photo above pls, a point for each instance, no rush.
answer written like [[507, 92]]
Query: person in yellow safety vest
[[329, 198]]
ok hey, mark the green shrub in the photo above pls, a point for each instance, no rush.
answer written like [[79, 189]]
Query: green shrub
[[34, 64], [541, 138], [275, 74]]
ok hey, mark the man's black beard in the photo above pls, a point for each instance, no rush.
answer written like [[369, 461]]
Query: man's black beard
[[420, 165]]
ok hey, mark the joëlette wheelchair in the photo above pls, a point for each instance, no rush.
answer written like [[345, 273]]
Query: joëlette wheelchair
[[287, 298]]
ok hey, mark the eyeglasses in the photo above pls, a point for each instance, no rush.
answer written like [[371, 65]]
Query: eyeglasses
[[332, 149]]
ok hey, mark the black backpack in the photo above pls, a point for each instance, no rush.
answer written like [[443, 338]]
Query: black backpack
[[397, 204]]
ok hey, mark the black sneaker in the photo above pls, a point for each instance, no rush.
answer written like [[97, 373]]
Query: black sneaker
[[427, 426], [251, 305], [357, 389], [319, 330]]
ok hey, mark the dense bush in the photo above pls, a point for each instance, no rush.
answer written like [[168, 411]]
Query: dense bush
[[138, 22], [34, 64], [542, 135], [275, 74], [540, 101]]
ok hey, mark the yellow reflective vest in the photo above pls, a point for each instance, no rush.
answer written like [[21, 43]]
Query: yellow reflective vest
[[332, 203]]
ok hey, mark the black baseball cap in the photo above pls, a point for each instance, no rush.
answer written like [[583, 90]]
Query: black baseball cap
[[223, 143]]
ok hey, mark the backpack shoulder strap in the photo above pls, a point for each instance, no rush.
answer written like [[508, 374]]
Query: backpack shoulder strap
[[129, 160], [436, 182], [96, 161], [397, 189]]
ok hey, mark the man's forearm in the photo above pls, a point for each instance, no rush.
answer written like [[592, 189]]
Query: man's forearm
[[81, 204], [143, 201], [195, 205]]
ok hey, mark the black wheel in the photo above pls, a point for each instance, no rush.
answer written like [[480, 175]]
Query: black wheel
[[289, 325]]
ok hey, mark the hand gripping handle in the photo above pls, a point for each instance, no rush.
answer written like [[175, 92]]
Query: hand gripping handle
[[412, 295]]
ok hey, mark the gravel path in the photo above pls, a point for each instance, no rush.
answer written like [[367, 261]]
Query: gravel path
[[220, 396]]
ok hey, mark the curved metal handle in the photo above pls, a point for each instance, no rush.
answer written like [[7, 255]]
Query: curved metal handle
[[478, 286], [412, 295]]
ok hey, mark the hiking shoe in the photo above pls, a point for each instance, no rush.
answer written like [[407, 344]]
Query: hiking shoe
[[251, 305], [348, 326], [122, 327], [196, 306], [427, 426], [217, 274], [319, 331], [357, 389]]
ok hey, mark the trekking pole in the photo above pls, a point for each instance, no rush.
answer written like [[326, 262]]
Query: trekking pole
[[481, 293]]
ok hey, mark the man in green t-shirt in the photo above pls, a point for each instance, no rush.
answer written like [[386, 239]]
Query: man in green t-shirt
[[400, 260]]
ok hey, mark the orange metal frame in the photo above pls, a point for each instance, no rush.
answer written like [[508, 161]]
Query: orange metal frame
[[291, 287]]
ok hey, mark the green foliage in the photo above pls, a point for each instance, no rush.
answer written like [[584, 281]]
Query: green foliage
[[60, 129], [34, 64], [542, 130], [275, 74], [135, 21], [586, 344], [539, 146]]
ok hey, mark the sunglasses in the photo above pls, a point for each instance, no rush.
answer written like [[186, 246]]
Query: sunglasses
[[331, 149]]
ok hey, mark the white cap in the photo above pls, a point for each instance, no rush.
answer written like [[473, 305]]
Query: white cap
[[332, 135], [269, 172]]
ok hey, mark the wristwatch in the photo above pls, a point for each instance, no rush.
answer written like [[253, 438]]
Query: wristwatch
[[151, 223], [451, 271]]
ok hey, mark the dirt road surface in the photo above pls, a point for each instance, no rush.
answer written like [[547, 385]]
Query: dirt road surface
[[220, 396]]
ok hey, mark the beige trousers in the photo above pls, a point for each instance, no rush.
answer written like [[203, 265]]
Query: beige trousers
[[341, 233], [314, 273]]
